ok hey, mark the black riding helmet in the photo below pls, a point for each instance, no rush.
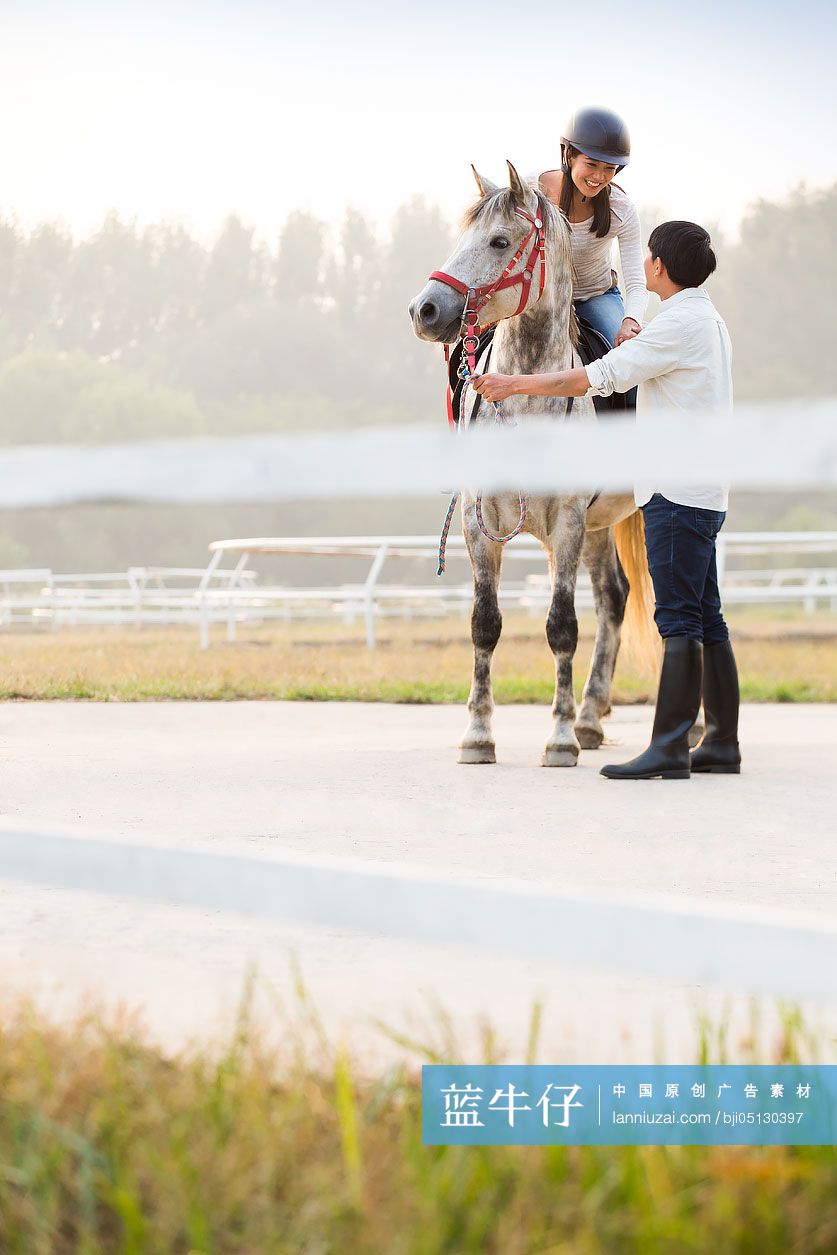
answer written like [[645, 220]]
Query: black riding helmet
[[600, 134]]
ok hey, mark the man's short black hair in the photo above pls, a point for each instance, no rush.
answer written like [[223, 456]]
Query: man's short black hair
[[685, 250]]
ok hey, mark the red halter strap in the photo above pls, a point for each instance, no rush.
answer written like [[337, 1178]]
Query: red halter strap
[[478, 298]]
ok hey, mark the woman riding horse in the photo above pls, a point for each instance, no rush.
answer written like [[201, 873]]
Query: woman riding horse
[[595, 146]]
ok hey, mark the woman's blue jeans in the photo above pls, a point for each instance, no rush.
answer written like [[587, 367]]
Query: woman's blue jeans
[[680, 543], [605, 312]]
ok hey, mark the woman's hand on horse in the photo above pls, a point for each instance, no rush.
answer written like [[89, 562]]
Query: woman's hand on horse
[[494, 387], [630, 328]]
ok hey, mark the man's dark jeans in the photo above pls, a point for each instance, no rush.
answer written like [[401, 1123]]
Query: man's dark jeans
[[680, 543]]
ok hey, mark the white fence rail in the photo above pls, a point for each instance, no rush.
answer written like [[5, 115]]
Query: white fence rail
[[138, 596], [232, 595], [811, 587]]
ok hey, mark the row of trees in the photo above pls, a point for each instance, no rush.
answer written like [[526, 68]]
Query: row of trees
[[147, 331], [775, 287]]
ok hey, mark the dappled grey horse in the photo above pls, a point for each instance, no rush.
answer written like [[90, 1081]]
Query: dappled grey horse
[[536, 331]]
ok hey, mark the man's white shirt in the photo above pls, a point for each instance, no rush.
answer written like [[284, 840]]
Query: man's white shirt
[[681, 361]]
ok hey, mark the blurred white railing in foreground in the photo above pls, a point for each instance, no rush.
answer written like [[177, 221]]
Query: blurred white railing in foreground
[[790, 955], [786, 444], [147, 596]]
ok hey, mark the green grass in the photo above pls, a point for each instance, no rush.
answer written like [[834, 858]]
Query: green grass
[[108, 1145], [780, 659], [512, 690]]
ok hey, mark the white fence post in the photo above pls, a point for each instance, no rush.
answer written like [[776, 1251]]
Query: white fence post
[[369, 593], [202, 596]]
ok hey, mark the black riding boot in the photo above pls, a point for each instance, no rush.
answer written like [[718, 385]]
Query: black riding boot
[[678, 702], [718, 750]]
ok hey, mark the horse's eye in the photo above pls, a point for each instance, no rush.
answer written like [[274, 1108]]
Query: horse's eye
[[499, 241]]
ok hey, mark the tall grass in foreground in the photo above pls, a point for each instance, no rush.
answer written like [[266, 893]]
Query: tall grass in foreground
[[106, 1145]]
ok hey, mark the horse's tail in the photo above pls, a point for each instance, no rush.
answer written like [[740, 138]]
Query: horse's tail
[[641, 639]]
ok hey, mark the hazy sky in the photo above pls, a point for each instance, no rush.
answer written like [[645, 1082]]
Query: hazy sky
[[193, 110]]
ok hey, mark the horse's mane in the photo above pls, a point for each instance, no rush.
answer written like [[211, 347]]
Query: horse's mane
[[502, 202]]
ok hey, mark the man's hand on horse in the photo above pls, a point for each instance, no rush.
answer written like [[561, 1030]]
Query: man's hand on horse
[[494, 387]]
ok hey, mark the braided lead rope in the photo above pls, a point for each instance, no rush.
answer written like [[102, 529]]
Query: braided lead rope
[[443, 539], [501, 540], [501, 420]]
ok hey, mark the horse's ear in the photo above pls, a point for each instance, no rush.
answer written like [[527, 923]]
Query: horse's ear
[[521, 191], [486, 187]]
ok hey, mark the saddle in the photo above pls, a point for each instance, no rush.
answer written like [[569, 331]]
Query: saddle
[[591, 346]]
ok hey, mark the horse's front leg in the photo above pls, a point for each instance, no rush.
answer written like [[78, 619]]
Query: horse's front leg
[[566, 541], [477, 745]]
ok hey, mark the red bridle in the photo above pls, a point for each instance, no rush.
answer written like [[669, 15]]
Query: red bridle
[[478, 298]]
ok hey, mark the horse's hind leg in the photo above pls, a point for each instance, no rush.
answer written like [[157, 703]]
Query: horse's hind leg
[[562, 632], [477, 745], [610, 593]]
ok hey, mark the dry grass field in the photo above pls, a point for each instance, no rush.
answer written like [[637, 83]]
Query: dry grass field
[[790, 657]]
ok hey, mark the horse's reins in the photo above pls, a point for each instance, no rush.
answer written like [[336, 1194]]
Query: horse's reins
[[475, 300]]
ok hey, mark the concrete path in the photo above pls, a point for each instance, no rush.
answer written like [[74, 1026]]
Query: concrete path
[[381, 782]]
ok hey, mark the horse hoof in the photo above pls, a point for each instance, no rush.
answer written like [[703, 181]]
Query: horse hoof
[[477, 754], [566, 757], [589, 738], [695, 733]]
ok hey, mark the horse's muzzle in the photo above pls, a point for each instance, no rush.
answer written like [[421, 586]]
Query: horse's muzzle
[[436, 313]]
